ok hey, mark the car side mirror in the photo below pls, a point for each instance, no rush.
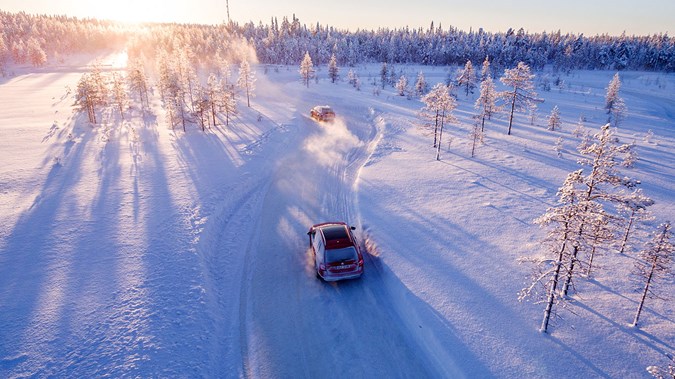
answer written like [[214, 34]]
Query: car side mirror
[[353, 228]]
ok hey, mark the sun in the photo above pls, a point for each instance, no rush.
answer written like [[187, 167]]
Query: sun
[[134, 11]]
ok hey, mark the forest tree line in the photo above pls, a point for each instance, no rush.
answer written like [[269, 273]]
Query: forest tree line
[[34, 39]]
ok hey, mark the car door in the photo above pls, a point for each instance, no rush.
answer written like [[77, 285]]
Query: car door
[[318, 249]]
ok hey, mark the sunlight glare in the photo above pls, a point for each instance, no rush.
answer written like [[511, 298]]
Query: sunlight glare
[[131, 11]]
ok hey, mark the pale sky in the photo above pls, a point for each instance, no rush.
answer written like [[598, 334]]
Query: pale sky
[[578, 16]]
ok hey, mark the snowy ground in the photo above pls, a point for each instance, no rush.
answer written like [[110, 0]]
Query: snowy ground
[[127, 249]]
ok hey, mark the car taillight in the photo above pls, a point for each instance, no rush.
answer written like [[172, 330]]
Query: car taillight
[[360, 262], [322, 268]]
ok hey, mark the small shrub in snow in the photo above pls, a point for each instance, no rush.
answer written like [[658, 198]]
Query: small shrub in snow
[[664, 373], [558, 147], [649, 136], [580, 130]]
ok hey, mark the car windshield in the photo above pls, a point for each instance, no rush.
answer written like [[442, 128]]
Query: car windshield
[[340, 255]]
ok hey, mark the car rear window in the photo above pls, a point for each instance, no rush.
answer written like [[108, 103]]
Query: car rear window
[[340, 255], [335, 232]]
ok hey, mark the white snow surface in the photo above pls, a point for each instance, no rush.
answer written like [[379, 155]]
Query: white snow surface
[[131, 250]]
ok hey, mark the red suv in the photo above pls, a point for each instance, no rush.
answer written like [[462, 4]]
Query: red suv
[[322, 113], [336, 253]]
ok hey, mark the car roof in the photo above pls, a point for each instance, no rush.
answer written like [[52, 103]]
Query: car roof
[[336, 235]]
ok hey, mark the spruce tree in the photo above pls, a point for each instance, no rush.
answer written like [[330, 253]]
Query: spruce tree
[[467, 78], [421, 85], [402, 85], [333, 69], [306, 69], [485, 70], [384, 71]]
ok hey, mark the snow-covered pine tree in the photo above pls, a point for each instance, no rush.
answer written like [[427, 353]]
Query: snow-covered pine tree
[[633, 208], [554, 119], [485, 69], [467, 78], [203, 105], [214, 88], [333, 71], [656, 261], [184, 68], [521, 93], [119, 93], [165, 73], [437, 111], [562, 222], [384, 72], [421, 86], [36, 54], [246, 80], [100, 84], [228, 103], [306, 69], [601, 157], [224, 69], [402, 85], [4, 52], [393, 77], [85, 97], [486, 102], [614, 104], [138, 81]]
